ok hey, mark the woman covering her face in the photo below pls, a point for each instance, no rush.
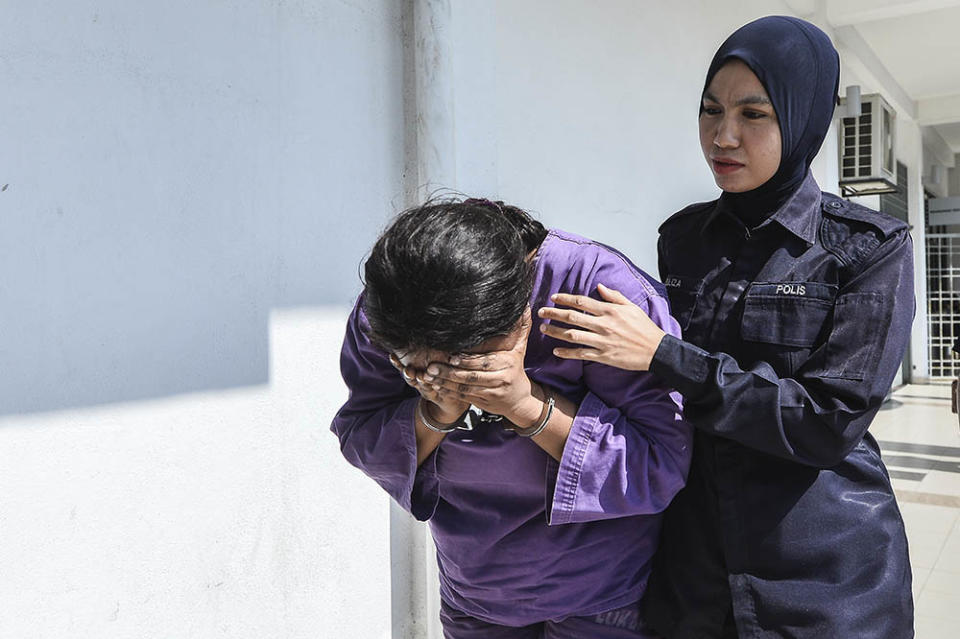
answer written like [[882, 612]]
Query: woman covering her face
[[543, 479], [795, 307]]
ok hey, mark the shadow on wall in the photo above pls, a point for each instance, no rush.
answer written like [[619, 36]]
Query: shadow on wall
[[175, 171]]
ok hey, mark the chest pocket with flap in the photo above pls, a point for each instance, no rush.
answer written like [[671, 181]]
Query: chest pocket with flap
[[786, 313]]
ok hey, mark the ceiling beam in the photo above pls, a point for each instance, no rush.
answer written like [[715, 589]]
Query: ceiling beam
[[944, 109], [803, 8], [934, 145], [842, 13], [849, 39]]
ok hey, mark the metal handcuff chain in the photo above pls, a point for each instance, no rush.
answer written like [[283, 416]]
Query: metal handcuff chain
[[467, 421], [464, 422]]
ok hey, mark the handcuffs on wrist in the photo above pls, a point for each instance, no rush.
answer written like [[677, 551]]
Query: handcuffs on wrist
[[537, 428], [466, 421], [474, 415]]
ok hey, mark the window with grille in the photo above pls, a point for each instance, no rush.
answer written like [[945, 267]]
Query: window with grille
[[943, 302]]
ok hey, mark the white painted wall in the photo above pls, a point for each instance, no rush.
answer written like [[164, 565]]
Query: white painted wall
[[910, 152], [938, 159], [175, 170], [177, 174], [217, 514]]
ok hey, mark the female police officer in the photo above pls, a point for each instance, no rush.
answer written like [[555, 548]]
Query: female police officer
[[796, 307]]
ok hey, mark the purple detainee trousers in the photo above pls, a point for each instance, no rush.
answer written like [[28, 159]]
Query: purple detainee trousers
[[619, 623]]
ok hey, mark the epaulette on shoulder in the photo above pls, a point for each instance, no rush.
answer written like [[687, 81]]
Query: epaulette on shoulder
[[853, 232], [686, 212], [887, 225]]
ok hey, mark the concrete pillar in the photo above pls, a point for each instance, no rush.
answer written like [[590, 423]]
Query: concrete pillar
[[444, 85], [434, 78], [953, 177], [431, 164], [414, 587], [919, 336]]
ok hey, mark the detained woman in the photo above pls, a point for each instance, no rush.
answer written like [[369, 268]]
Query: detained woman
[[543, 479], [795, 307]]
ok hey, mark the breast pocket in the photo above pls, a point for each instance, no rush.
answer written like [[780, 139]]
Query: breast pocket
[[787, 316], [684, 292]]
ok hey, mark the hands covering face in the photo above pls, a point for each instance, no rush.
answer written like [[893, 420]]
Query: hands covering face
[[491, 376], [449, 408]]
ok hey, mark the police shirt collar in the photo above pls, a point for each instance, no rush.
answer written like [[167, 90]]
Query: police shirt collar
[[800, 214]]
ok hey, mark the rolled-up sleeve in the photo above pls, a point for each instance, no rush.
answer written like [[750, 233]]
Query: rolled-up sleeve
[[376, 425], [628, 451]]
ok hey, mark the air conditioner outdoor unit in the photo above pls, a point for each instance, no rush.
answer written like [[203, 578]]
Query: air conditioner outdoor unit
[[867, 163]]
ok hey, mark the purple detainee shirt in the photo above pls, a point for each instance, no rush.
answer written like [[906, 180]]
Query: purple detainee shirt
[[520, 538]]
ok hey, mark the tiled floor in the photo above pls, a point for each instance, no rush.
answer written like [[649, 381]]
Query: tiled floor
[[920, 439]]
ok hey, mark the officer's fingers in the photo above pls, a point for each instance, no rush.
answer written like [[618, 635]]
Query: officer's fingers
[[612, 295], [587, 354], [572, 335], [579, 302], [574, 318]]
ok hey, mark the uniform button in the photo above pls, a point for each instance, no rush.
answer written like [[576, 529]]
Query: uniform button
[[834, 205]]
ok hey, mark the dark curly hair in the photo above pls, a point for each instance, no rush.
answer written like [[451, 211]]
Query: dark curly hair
[[450, 274]]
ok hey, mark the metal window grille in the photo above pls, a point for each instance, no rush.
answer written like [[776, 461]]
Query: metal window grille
[[943, 302]]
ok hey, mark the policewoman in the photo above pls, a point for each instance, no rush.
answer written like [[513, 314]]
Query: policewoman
[[796, 308]]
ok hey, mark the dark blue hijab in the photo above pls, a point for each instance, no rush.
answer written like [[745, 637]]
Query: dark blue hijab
[[798, 66]]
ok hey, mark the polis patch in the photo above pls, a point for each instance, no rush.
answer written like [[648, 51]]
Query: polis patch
[[791, 289]]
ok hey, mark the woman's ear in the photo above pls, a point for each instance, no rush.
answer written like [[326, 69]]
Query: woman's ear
[[527, 317]]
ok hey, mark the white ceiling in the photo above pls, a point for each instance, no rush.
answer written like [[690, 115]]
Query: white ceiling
[[922, 51], [916, 41]]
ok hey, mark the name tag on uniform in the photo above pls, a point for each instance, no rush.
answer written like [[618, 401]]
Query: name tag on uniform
[[810, 292], [673, 282], [791, 289]]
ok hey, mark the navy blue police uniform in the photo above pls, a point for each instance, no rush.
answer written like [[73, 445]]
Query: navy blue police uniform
[[792, 334]]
